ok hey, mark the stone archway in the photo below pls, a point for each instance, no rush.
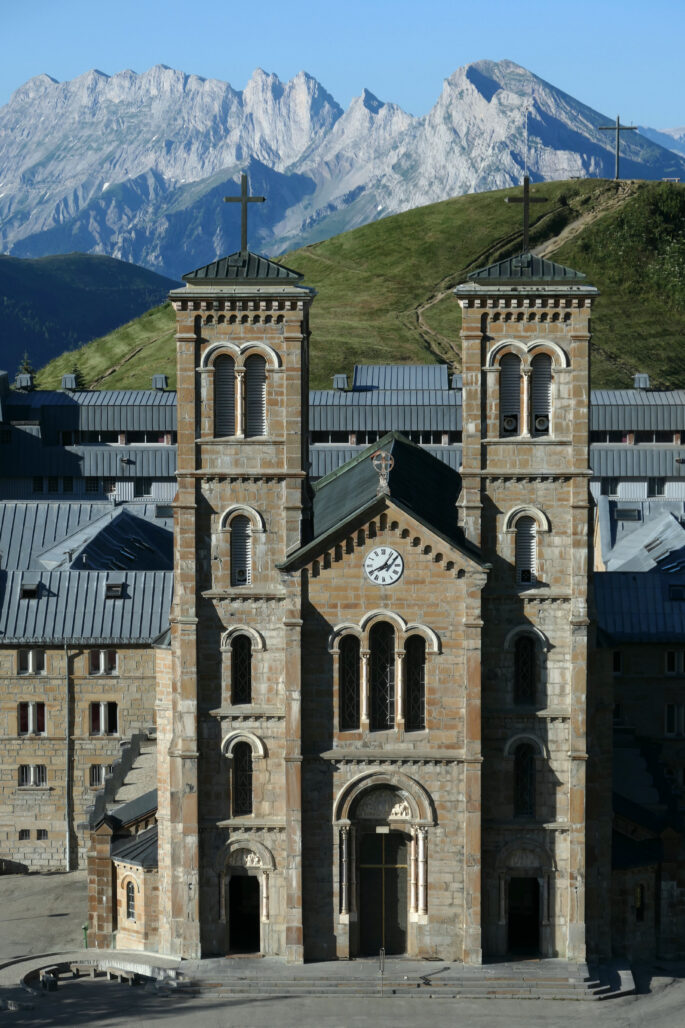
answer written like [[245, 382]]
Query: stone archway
[[525, 878], [246, 867]]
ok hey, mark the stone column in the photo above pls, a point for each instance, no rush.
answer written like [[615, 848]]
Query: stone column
[[294, 936], [265, 895], [525, 402], [343, 836], [240, 402], [400, 666], [365, 655], [423, 872], [413, 896], [502, 914]]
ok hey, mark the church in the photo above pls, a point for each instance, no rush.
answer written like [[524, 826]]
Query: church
[[373, 704]]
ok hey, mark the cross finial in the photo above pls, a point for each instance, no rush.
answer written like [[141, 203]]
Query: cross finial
[[243, 200], [383, 462]]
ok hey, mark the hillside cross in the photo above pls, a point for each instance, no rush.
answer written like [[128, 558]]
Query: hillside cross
[[617, 128], [243, 200], [526, 200]]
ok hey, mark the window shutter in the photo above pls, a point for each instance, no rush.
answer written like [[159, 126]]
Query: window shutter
[[510, 394], [95, 718], [526, 550], [255, 396], [224, 397], [241, 551], [541, 393]]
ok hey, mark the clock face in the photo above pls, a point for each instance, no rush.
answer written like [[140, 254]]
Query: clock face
[[383, 566]]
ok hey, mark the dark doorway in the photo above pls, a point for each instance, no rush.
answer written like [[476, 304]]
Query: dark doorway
[[243, 913], [383, 893], [524, 916]]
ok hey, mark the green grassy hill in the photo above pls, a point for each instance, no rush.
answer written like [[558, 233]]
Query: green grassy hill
[[384, 290]]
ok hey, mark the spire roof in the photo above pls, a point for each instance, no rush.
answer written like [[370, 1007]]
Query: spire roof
[[241, 266], [525, 267]]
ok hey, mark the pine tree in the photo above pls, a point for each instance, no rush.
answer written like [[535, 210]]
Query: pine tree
[[26, 367], [80, 384]]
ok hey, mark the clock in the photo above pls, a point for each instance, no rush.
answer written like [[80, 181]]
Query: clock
[[384, 565]]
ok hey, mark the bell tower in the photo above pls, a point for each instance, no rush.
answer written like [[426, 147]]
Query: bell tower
[[229, 715], [525, 503]]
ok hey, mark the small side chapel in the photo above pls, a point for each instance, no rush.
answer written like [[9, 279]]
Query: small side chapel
[[372, 718]]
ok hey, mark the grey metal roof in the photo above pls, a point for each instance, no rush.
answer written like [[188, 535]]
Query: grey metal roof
[[140, 850], [400, 376], [385, 411], [241, 267], [638, 606], [643, 461], [72, 607], [125, 543], [525, 268], [636, 409], [93, 410], [27, 456], [652, 544], [326, 458], [125, 813]]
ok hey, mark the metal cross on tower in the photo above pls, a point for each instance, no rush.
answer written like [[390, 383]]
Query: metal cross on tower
[[243, 200], [617, 128], [526, 200]]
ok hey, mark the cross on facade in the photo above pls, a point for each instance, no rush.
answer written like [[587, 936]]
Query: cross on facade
[[383, 462], [617, 128], [526, 200], [243, 200]]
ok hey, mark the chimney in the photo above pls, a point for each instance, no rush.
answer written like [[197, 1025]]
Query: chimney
[[641, 381], [340, 382], [160, 382], [69, 382], [24, 381]]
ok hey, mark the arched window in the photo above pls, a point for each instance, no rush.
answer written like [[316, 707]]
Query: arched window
[[130, 901], [348, 682], [241, 669], [255, 396], [524, 670], [526, 550], [224, 396], [541, 394], [242, 779], [382, 676], [524, 781], [415, 690], [241, 550], [510, 394]]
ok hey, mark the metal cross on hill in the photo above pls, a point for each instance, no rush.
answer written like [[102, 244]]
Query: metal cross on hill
[[243, 200], [526, 200], [617, 128]]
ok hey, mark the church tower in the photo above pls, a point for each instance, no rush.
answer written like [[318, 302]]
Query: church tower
[[525, 504], [228, 712]]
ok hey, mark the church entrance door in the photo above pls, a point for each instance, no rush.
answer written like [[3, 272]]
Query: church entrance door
[[524, 916], [383, 893], [243, 913]]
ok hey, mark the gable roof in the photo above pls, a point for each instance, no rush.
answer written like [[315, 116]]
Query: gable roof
[[525, 267], [418, 483], [241, 267], [140, 850]]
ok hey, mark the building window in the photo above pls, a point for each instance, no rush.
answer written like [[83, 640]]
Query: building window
[[96, 776], [382, 676], [103, 718], [524, 670], [617, 662], [130, 901], [102, 662], [241, 669], [609, 487], [526, 550], [42, 834], [671, 662], [541, 394], [255, 396], [415, 688], [656, 486], [142, 487], [92, 485], [524, 781], [24, 834], [348, 682], [38, 484], [510, 394], [31, 718], [639, 902], [242, 779], [224, 397], [53, 484], [31, 662], [241, 551], [67, 484], [32, 775]]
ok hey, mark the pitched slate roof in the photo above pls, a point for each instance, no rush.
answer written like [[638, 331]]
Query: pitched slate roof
[[525, 267], [126, 543], [140, 850], [241, 267], [125, 813], [640, 606]]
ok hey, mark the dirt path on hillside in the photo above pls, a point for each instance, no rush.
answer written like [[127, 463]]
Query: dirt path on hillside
[[95, 384]]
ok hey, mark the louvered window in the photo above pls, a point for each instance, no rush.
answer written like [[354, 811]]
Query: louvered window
[[526, 550], [415, 702], [255, 396], [241, 551], [242, 779], [382, 671], [524, 781], [541, 394], [348, 686], [510, 394], [524, 670], [224, 396], [241, 669]]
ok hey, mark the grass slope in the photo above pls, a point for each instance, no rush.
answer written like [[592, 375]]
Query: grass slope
[[384, 290]]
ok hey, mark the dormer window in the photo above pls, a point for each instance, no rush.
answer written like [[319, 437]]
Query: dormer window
[[29, 591], [114, 590]]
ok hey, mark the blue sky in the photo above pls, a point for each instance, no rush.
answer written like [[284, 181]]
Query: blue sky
[[618, 57]]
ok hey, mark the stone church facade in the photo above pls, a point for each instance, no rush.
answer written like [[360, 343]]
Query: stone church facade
[[372, 719]]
